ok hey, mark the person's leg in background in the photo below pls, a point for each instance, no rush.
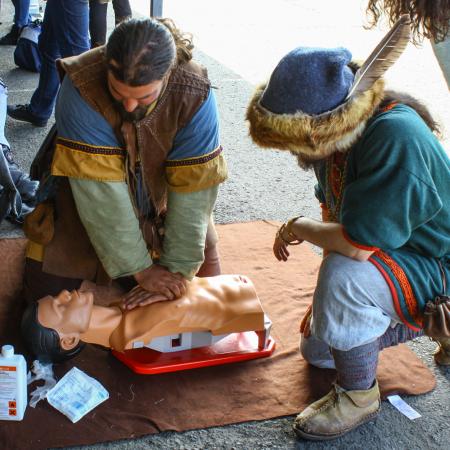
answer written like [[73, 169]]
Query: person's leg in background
[[97, 22], [122, 10], [21, 19], [22, 12], [64, 33], [26, 187]]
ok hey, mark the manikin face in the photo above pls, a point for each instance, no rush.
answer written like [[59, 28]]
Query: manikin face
[[68, 314], [133, 101]]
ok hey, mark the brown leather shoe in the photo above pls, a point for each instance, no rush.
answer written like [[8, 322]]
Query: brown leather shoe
[[337, 413], [442, 353]]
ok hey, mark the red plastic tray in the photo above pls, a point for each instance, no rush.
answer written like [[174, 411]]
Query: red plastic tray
[[233, 348]]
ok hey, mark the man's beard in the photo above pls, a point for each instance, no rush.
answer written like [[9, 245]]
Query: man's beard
[[133, 116]]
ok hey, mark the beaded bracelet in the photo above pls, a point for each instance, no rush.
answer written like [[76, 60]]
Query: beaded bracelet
[[287, 227]]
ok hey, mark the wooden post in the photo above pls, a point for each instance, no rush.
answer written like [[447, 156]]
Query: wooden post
[[156, 7]]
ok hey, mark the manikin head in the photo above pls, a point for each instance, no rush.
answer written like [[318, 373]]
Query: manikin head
[[52, 326], [140, 54]]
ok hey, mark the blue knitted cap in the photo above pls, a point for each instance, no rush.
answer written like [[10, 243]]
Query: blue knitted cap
[[309, 80]]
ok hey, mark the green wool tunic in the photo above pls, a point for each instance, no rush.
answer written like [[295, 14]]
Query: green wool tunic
[[391, 193]]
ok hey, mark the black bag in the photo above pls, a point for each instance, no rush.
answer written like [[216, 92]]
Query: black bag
[[27, 55]]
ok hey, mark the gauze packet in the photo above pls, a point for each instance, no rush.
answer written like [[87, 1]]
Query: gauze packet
[[76, 394]]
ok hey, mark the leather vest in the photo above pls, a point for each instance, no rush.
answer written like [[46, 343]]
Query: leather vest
[[152, 137], [70, 253]]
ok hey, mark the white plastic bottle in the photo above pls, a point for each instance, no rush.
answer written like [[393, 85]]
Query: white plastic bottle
[[13, 384]]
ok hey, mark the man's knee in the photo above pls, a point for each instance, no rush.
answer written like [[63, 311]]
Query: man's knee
[[337, 273], [345, 313], [336, 283]]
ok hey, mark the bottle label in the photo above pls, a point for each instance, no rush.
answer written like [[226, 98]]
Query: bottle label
[[8, 391]]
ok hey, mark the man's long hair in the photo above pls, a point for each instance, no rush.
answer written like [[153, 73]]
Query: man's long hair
[[429, 18], [140, 51]]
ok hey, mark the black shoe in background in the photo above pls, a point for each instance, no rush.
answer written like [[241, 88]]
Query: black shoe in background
[[23, 113], [12, 37]]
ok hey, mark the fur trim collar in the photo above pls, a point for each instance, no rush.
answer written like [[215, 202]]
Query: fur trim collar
[[313, 137]]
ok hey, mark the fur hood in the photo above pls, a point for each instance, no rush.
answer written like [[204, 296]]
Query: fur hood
[[313, 137]]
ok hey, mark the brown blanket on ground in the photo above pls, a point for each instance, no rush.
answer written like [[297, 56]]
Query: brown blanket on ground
[[254, 390]]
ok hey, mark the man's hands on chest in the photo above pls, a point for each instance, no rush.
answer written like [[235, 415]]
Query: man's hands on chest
[[155, 283]]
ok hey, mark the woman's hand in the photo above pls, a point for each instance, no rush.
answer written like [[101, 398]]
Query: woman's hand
[[283, 239], [280, 249]]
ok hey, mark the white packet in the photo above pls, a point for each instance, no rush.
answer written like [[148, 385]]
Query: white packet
[[76, 394]]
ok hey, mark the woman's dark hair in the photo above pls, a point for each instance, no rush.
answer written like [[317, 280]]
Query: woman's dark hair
[[429, 18], [41, 342], [140, 51]]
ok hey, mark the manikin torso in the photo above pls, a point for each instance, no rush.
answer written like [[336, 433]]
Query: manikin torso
[[220, 305]]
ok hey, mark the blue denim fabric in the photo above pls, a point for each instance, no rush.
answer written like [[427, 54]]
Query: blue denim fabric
[[65, 32], [21, 12], [122, 8], [352, 303]]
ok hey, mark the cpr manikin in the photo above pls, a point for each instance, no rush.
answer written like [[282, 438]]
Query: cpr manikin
[[54, 326]]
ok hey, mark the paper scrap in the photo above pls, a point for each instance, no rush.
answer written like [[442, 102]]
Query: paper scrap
[[397, 402]]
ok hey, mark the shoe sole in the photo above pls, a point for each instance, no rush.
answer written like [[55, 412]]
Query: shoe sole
[[36, 124], [326, 437]]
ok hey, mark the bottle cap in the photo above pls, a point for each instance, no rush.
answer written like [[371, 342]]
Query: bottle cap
[[7, 351]]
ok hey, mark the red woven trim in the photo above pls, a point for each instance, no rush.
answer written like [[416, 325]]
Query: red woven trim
[[326, 216], [405, 286], [389, 106], [397, 307], [355, 244]]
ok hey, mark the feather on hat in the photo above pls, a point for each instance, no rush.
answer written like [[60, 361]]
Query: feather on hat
[[327, 127]]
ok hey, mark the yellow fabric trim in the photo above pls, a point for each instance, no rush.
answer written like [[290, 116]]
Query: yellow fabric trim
[[35, 251], [151, 107], [69, 162], [196, 177]]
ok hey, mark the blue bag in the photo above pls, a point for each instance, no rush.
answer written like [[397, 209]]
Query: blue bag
[[27, 55]]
